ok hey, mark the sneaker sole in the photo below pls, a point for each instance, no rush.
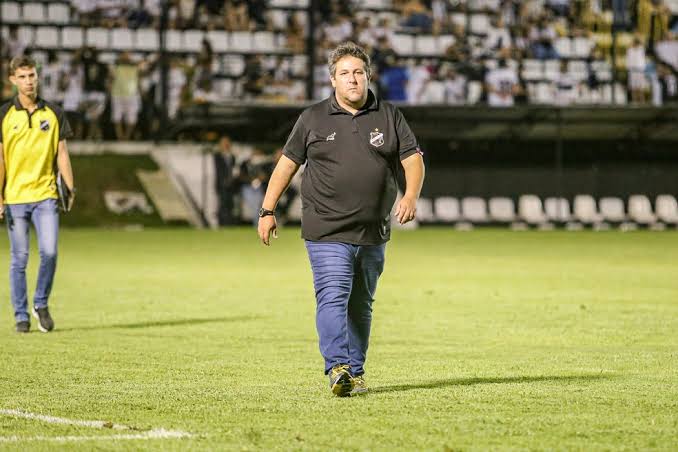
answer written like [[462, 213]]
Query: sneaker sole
[[44, 330], [343, 386], [359, 392]]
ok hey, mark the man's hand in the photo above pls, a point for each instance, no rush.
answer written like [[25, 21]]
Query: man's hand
[[2, 208], [71, 200], [407, 209], [267, 225]]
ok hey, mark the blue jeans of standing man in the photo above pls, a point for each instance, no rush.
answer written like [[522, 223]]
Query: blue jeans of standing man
[[345, 280], [45, 217]]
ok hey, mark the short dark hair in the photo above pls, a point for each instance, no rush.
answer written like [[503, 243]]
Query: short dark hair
[[347, 49], [21, 61]]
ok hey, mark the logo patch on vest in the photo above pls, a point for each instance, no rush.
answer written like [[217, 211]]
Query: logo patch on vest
[[376, 138], [44, 125]]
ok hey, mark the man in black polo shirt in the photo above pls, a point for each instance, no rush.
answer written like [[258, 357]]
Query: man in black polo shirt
[[352, 144]]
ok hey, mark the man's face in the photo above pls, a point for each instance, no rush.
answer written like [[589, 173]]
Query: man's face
[[350, 80], [26, 81]]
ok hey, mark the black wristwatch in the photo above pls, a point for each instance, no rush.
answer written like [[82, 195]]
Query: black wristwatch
[[265, 212]]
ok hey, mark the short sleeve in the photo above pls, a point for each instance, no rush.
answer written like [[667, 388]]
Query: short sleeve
[[3, 112], [407, 141], [295, 147], [65, 130]]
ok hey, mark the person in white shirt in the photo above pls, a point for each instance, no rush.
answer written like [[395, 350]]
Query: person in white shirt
[[565, 87], [51, 75], [501, 85], [636, 63]]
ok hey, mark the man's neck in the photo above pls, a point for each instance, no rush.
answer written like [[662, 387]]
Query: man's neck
[[29, 103], [353, 109]]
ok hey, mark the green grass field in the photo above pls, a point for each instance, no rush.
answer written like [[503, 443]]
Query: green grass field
[[489, 340]]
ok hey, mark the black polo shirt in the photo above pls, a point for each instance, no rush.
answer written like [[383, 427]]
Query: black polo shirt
[[349, 183]]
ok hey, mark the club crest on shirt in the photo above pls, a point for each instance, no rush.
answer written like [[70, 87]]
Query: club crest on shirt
[[376, 138], [44, 125]]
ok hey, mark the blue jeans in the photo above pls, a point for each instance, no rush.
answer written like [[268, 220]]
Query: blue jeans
[[345, 280], [45, 217]]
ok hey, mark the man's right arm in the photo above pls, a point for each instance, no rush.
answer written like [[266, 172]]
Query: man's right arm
[[282, 176], [2, 182]]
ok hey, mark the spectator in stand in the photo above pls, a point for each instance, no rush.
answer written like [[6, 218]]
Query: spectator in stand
[[294, 34], [177, 81], [50, 79], [236, 17], [253, 77], [418, 74], [338, 30], [226, 183], [501, 85], [559, 7], [668, 83], [14, 45], [433, 91], [256, 10], [96, 85], [417, 17], [254, 174], [72, 85], [394, 81], [542, 36], [636, 63], [204, 92], [382, 53], [455, 85], [653, 21], [125, 96], [498, 37], [87, 12], [565, 87]]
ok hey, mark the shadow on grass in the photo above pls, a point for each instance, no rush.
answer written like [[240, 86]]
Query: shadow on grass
[[152, 324], [489, 380]]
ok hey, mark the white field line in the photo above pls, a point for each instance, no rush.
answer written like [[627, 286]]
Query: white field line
[[151, 434]]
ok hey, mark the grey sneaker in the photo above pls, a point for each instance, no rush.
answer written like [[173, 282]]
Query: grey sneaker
[[341, 381], [359, 386], [23, 327], [45, 322]]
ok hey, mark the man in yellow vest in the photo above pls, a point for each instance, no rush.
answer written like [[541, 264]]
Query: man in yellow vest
[[33, 136]]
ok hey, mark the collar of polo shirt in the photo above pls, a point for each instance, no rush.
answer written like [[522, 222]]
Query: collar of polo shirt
[[372, 103]]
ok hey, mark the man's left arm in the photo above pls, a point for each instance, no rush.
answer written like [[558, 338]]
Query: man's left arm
[[414, 179], [65, 169]]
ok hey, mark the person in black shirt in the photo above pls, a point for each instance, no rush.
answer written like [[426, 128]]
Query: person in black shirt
[[352, 145], [226, 183]]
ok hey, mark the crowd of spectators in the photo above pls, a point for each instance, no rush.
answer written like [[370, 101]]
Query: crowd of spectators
[[490, 49]]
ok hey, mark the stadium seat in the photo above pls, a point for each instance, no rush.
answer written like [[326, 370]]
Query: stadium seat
[[192, 41], [474, 209], [640, 210], [557, 210], [146, 39], [585, 210], [26, 33], [444, 42], [426, 45], [241, 41], [122, 39], [531, 211], [533, 70], [33, 13], [564, 47], [11, 12], [72, 37], [47, 37], [224, 88], [502, 209], [278, 18], [603, 70], [173, 40], [375, 4], [578, 70], [474, 92], [666, 208], [446, 209], [264, 42], [612, 209], [425, 210], [480, 24], [403, 44], [233, 64], [97, 38], [581, 47], [282, 3], [58, 13], [551, 69], [219, 40]]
